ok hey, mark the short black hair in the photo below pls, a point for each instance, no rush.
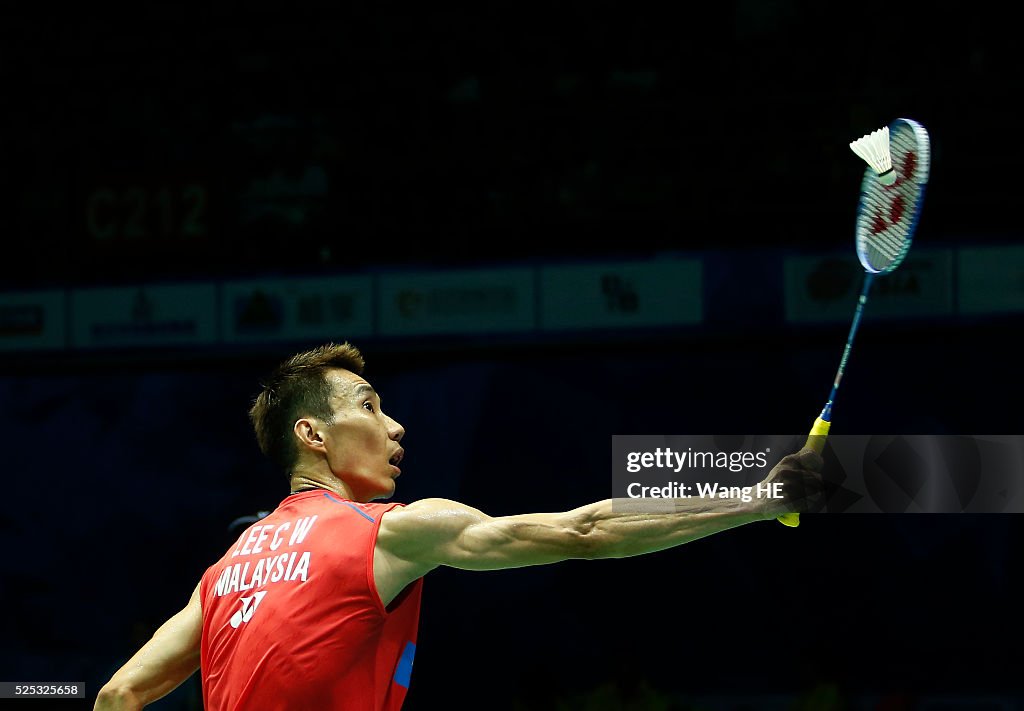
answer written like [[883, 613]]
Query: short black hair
[[298, 387]]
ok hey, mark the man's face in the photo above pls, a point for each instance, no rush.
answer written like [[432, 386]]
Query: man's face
[[362, 444]]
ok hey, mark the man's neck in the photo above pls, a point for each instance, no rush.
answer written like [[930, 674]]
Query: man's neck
[[308, 481]]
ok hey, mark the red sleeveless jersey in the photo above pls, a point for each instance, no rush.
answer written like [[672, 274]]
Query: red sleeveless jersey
[[292, 619]]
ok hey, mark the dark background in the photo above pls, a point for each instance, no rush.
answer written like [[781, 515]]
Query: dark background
[[167, 143]]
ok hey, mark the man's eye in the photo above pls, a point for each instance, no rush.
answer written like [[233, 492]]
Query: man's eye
[[368, 405]]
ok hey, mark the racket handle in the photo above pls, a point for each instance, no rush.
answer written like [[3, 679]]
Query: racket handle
[[815, 441]]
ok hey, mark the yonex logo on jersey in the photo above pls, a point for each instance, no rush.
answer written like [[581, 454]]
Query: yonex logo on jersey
[[249, 605]]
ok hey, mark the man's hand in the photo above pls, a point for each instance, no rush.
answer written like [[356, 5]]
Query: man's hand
[[802, 484]]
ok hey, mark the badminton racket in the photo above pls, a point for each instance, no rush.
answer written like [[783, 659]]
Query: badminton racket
[[898, 158]]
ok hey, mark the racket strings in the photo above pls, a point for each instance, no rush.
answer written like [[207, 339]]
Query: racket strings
[[884, 240], [888, 213]]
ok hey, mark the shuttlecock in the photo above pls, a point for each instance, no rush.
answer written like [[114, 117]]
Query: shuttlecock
[[874, 149]]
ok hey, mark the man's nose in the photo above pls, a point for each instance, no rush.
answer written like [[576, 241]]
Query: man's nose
[[395, 430]]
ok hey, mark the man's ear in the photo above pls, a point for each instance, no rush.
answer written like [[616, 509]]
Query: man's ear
[[308, 432]]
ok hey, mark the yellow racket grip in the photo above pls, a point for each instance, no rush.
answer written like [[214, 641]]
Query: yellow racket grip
[[815, 441]]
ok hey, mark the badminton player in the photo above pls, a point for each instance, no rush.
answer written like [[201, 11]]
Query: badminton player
[[316, 606]]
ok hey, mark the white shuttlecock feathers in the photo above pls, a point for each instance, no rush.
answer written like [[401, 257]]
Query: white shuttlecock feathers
[[874, 149]]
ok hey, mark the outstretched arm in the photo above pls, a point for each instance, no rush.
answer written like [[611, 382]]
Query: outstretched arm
[[434, 532], [166, 660]]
